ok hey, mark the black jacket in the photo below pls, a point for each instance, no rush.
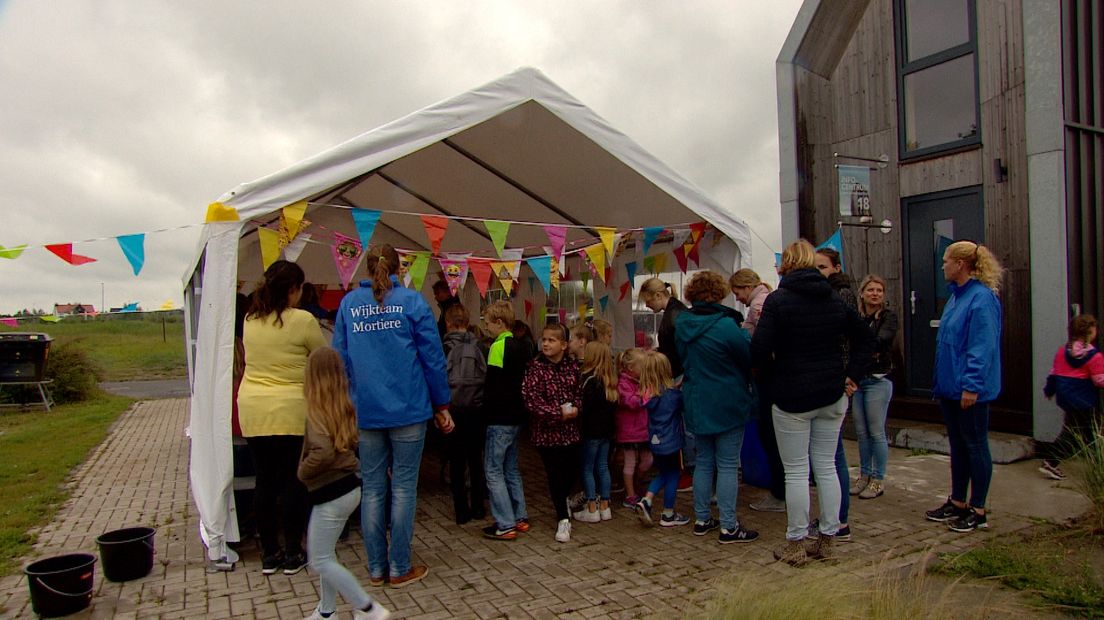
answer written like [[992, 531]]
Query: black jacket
[[800, 331], [883, 328], [502, 402], [596, 413], [666, 333]]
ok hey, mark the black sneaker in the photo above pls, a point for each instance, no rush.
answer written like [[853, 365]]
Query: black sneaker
[[969, 522], [644, 512], [295, 563], [701, 528], [673, 520], [738, 535], [494, 533], [272, 563], [945, 513], [844, 534]]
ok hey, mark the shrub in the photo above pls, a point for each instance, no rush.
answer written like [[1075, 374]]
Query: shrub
[[76, 376]]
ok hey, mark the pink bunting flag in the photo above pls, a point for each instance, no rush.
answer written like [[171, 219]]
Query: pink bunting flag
[[346, 254], [556, 237], [482, 272], [680, 256], [455, 270], [10, 322], [435, 226], [563, 316], [64, 251]]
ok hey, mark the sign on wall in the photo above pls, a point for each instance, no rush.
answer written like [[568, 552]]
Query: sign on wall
[[854, 190]]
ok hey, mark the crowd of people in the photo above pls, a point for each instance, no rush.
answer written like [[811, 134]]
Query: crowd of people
[[333, 430]]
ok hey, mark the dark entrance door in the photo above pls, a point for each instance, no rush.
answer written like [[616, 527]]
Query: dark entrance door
[[933, 222]]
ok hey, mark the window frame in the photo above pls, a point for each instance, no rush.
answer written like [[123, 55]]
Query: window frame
[[906, 68]]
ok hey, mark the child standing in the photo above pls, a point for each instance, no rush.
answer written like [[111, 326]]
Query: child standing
[[581, 334], [1077, 374], [504, 410], [467, 372], [551, 393], [596, 426], [327, 467], [632, 424], [664, 405]]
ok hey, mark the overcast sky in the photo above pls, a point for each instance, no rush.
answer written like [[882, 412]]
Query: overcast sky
[[121, 117]]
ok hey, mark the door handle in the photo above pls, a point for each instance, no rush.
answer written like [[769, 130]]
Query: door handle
[[913, 297]]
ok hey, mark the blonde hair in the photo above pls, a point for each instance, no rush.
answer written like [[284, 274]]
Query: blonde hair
[[598, 360], [603, 329], [654, 286], [746, 277], [629, 361], [500, 310], [979, 261], [707, 287], [655, 373], [382, 263], [326, 389], [867, 281], [584, 331], [798, 255]]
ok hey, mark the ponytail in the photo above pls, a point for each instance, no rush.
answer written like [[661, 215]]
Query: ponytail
[[382, 263], [982, 264]]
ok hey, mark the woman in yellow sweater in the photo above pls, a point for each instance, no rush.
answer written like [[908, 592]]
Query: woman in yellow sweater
[[273, 412]]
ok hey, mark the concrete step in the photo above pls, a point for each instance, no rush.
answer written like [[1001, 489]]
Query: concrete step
[[914, 435]]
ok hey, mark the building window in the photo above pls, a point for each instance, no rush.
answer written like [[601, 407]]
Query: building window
[[937, 98]]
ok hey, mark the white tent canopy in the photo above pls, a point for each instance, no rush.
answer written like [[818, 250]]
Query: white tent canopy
[[517, 149]]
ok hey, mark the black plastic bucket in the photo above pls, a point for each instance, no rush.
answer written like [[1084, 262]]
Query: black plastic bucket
[[127, 554], [61, 585]]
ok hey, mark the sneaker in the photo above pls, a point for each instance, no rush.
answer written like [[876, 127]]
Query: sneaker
[[295, 563], [605, 513], [792, 553], [686, 481], [872, 490], [416, 573], [375, 612], [522, 525], [563, 531], [495, 533], [317, 615], [587, 516], [631, 502], [738, 535], [819, 547], [701, 528], [272, 563], [673, 520], [1051, 471], [644, 512], [769, 503], [859, 484], [378, 581], [945, 513], [844, 534], [968, 522]]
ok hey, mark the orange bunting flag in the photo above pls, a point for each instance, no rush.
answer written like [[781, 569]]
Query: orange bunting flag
[[64, 251], [597, 255], [481, 271], [435, 226]]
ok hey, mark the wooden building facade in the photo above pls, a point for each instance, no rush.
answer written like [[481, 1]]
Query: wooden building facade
[[961, 111]]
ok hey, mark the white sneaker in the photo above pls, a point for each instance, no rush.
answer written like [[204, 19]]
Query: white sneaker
[[317, 615], [563, 532], [587, 516], [605, 513], [377, 612]]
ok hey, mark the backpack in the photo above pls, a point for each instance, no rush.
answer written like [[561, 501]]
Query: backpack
[[467, 371]]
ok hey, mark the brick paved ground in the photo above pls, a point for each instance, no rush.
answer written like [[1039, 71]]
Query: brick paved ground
[[616, 569]]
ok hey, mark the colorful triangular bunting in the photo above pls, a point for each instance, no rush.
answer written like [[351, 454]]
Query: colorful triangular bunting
[[12, 253], [435, 226], [365, 221], [64, 251], [498, 231], [134, 248]]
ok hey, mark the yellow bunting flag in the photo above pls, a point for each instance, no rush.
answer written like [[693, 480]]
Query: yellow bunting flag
[[660, 263], [607, 235], [597, 255], [168, 305], [50, 318], [582, 312], [270, 246], [293, 215], [218, 212]]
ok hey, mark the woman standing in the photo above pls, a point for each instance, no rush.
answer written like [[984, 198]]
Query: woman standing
[[388, 339], [800, 335], [272, 411], [657, 296], [718, 400], [968, 378], [871, 401]]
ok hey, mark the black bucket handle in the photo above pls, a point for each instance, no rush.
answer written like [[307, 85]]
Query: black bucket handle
[[75, 595]]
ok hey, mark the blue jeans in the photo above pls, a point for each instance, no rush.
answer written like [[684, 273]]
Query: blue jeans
[[870, 407], [718, 454], [400, 449], [596, 474], [326, 522], [844, 475], [971, 463], [667, 480], [810, 435], [500, 464]]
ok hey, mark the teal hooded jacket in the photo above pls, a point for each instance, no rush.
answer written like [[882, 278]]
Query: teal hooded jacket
[[718, 393]]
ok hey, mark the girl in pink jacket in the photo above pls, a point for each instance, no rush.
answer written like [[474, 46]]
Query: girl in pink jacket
[[631, 419]]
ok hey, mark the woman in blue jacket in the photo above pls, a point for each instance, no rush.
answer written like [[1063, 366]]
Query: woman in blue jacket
[[968, 378], [388, 338]]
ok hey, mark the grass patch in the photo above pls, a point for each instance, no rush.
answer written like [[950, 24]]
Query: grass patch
[[124, 349], [39, 450], [1062, 567]]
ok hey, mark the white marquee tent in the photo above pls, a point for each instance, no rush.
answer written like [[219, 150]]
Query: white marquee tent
[[516, 149]]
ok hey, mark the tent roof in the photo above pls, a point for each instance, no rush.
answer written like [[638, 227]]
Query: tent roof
[[519, 148]]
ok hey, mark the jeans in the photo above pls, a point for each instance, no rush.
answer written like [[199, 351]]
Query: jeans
[[280, 498], [667, 480], [596, 474], [870, 407], [464, 446], [844, 475], [326, 522], [500, 464], [561, 465], [718, 454], [689, 450], [971, 463], [803, 436], [400, 449]]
